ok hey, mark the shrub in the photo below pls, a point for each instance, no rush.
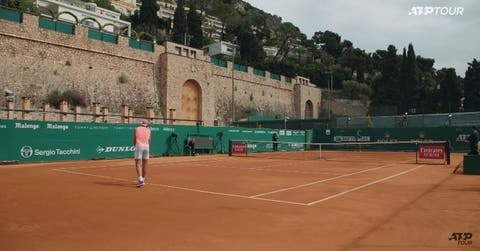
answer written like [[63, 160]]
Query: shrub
[[122, 79], [355, 90], [54, 99], [73, 97]]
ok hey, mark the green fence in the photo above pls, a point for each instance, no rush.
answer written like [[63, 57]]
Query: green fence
[[102, 36], [11, 15], [219, 62], [33, 141], [458, 119], [259, 72], [56, 26], [455, 135], [141, 45], [275, 76], [239, 67], [288, 80]]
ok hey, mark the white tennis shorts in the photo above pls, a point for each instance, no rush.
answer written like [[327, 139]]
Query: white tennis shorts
[[142, 152]]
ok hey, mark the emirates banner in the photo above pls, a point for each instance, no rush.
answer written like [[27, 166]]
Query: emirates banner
[[431, 152]]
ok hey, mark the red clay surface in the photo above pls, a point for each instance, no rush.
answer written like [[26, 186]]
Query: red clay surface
[[355, 201]]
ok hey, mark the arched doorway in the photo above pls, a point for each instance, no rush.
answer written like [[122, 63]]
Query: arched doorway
[[191, 101], [308, 110]]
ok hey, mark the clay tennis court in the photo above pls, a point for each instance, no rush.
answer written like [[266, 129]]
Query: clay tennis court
[[354, 201]]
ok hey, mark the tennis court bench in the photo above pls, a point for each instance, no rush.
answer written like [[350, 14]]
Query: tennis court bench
[[203, 144]]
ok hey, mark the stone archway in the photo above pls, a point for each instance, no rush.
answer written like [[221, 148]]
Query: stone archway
[[191, 101], [308, 110]]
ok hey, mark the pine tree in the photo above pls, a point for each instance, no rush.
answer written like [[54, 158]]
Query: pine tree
[[148, 19], [472, 86], [386, 96], [402, 81], [413, 94], [251, 50], [449, 90], [179, 23], [195, 33]]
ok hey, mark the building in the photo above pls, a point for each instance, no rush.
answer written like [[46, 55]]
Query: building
[[126, 7], [84, 13], [222, 47], [211, 26], [270, 51]]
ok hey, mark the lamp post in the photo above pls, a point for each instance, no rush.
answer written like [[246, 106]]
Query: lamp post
[[285, 119], [329, 88], [330, 80], [233, 85]]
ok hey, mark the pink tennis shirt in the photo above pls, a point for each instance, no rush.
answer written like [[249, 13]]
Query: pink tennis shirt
[[142, 136]]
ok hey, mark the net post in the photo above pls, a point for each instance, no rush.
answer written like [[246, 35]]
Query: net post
[[320, 150], [230, 147], [416, 152]]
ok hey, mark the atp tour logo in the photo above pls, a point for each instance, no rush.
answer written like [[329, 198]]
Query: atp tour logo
[[115, 149], [26, 152], [462, 238], [436, 11]]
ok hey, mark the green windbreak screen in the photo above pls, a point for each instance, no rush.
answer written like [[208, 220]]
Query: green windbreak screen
[[134, 44], [10, 15], [219, 62], [46, 24], [239, 67], [146, 46], [109, 38], [457, 136], [65, 28], [259, 72], [274, 76], [56, 26], [32, 141], [93, 34]]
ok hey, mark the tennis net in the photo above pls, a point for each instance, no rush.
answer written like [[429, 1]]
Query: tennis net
[[435, 152]]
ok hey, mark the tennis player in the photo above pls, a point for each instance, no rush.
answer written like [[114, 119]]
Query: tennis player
[[141, 141]]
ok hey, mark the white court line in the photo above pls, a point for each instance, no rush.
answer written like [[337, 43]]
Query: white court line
[[256, 197], [265, 169], [362, 186], [184, 188], [320, 181], [89, 175]]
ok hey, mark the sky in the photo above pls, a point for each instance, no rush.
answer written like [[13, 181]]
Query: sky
[[453, 40]]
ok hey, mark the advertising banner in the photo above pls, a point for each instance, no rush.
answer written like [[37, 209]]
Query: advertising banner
[[431, 152], [34, 141]]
